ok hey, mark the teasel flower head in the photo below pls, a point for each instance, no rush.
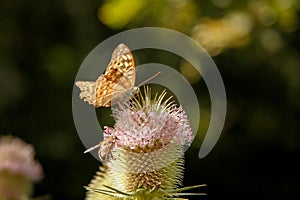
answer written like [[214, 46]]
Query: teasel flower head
[[150, 136], [146, 125], [18, 168]]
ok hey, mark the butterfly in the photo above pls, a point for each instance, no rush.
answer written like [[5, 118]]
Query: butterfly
[[117, 80]]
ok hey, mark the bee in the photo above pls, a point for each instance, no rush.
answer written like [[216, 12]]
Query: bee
[[105, 148]]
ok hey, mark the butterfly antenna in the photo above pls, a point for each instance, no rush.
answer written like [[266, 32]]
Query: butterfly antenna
[[150, 78], [92, 148]]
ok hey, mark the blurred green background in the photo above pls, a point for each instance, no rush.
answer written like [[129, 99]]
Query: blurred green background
[[255, 44]]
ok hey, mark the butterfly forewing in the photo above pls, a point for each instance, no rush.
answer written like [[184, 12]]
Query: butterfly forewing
[[119, 77]]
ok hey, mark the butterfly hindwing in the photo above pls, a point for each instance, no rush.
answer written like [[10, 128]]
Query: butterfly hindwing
[[87, 91]]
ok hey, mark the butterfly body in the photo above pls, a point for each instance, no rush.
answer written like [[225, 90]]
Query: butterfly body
[[117, 80]]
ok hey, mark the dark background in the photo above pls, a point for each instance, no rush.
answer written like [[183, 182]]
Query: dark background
[[42, 44]]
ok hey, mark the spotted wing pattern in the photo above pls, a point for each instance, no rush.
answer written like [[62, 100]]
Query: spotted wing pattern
[[118, 78]]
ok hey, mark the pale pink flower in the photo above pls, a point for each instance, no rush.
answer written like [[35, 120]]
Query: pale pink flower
[[18, 169], [151, 124]]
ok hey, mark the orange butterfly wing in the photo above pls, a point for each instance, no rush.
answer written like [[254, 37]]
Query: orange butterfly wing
[[118, 78]]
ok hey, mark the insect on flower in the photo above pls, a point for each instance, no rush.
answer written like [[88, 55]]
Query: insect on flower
[[117, 80], [105, 148]]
